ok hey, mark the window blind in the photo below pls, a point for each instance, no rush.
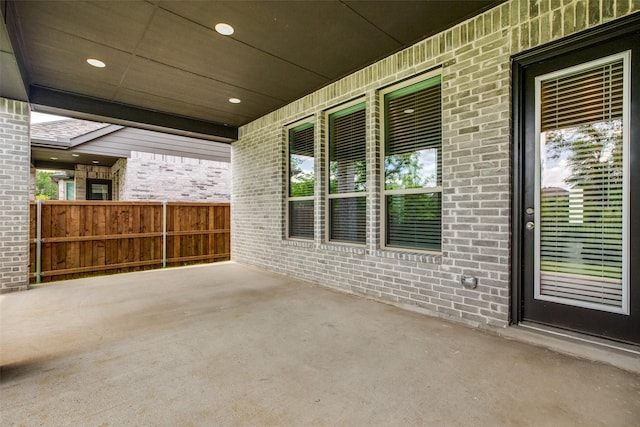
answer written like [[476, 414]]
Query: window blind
[[414, 220], [348, 219], [581, 217], [301, 161], [347, 156], [413, 161], [414, 118], [301, 182], [347, 174], [301, 219], [589, 96]]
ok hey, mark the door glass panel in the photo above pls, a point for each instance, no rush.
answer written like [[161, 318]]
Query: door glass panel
[[582, 186], [71, 191]]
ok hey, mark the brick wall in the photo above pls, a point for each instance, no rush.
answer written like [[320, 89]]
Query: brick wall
[[476, 91], [14, 195], [148, 176], [119, 176]]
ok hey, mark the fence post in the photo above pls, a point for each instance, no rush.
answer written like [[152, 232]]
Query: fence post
[[39, 241], [164, 234]]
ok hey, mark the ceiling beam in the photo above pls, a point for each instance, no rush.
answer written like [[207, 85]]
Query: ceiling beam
[[53, 165], [55, 101]]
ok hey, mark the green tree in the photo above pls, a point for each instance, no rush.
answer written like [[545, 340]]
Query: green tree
[[594, 163], [593, 153], [46, 189], [405, 171], [359, 176], [301, 183]]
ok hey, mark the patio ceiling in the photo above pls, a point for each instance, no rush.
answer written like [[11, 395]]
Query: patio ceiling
[[167, 67]]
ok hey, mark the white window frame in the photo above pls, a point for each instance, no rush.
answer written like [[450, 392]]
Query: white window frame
[[626, 126], [384, 192]]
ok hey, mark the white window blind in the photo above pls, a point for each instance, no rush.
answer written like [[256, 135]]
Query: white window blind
[[347, 174], [413, 166], [590, 96], [301, 181], [582, 187]]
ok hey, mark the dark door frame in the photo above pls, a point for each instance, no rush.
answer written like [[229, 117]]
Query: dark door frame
[[519, 62]]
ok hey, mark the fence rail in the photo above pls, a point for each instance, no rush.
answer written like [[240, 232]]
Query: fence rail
[[72, 239]]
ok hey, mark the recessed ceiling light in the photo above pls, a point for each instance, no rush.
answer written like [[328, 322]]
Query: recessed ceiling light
[[224, 29], [75, 155], [96, 63], [53, 158], [234, 100], [95, 162], [409, 110]]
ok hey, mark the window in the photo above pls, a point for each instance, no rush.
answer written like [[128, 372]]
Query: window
[[582, 171], [412, 156], [98, 189], [301, 182], [347, 175]]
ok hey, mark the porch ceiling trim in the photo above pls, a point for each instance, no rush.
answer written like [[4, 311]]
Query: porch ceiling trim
[[53, 101]]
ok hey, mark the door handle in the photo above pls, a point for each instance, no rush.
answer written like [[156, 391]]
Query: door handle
[[530, 225]]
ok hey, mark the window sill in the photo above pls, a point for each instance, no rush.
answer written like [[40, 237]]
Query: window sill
[[349, 248], [422, 257], [300, 243]]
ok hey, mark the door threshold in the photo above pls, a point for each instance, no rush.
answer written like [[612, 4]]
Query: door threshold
[[620, 355], [616, 345]]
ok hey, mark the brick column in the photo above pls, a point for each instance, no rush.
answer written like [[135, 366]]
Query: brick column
[[15, 155]]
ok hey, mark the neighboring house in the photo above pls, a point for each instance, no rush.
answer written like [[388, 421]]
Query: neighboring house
[[101, 161]]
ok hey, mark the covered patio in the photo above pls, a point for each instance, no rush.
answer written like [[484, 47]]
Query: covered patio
[[230, 344]]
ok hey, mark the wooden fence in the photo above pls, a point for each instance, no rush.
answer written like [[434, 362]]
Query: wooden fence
[[72, 239]]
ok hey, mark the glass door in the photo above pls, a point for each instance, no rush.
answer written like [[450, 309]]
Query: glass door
[[582, 174], [580, 141]]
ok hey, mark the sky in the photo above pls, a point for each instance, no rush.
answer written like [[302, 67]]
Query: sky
[[41, 117]]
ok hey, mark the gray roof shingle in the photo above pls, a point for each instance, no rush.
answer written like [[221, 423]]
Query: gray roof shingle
[[65, 129]]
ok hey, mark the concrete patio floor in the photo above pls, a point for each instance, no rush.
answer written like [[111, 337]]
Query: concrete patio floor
[[227, 344]]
